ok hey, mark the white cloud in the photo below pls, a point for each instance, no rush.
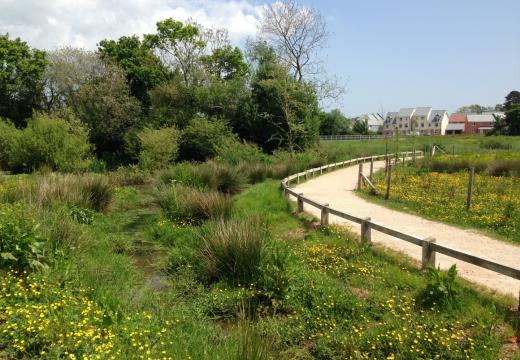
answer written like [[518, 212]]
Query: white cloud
[[83, 23]]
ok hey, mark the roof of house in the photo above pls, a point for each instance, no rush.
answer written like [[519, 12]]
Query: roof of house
[[455, 126], [390, 116], [406, 112], [372, 119], [456, 118], [422, 111], [437, 115], [480, 118]]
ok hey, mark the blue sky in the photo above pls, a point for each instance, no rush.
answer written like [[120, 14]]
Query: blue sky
[[439, 53], [390, 54]]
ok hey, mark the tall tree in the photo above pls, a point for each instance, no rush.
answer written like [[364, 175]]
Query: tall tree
[[298, 33], [21, 79], [286, 110], [107, 108], [142, 67], [513, 98], [226, 63], [68, 70], [512, 119], [334, 123]]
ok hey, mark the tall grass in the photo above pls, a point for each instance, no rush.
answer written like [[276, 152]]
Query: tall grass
[[232, 250], [188, 205], [494, 165]]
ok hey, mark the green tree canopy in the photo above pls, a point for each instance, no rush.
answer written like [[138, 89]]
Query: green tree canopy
[[21, 79], [334, 123], [107, 108], [142, 67], [513, 98], [512, 119], [226, 63]]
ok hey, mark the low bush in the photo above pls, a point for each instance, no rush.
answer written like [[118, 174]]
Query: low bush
[[441, 289], [233, 151], [9, 136], [506, 167], [21, 243], [97, 192], [159, 147], [232, 250], [187, 205], [50, 142], [202, 137], [493, 144]]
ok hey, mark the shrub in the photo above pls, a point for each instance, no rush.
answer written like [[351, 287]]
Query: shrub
[[232, 250], [159, 147], [202, 137], [21, 244], [255, 172], [188, 205], [9, 135], [81, 215], [507, 167], [233, 151], [50, 142], [441, 287], [224, 178]]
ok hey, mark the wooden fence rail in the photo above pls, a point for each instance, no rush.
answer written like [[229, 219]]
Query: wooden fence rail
[[428, 245]]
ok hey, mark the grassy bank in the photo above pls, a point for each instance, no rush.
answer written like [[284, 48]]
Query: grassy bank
[[257, 283], [437, 189]]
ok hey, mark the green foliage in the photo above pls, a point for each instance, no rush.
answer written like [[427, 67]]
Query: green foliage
[[159, 147], [232, 250], [494, 144], [21, 244], [441, 289], [9, 137], [50, 142], [142, 67], [81, 215], [187, 205], [223, 178], [97, 192], [512, 120], [360, 127], [202, 137], [21, 77], [286, 109], [185, 174], [233, 151], [334, 123], [129, 175], [226, 63], [106, 107]]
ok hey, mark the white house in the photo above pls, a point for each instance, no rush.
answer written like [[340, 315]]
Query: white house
[[374, 121], [418, 121]]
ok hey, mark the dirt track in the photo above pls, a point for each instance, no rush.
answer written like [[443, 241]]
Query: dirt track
[[336, 188]]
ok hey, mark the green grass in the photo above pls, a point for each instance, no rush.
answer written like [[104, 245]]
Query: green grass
[[456, 144], [442, 196], [129, 288]]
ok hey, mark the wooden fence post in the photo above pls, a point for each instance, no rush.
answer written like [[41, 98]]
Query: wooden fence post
[[359, 176], [321, 170], [371, 168], [386, 164], [388, 181], [286, 193], [404, 157], [470, 187], [413, 156], [300, 203], [428, 254], [298, 178], [325, 215], [366, 233]]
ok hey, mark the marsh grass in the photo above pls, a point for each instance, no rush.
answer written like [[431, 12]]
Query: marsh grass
[[187, 205], [232, 250]]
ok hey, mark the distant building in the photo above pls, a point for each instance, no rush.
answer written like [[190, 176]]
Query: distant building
[[481, 123], [457, 124], [418, 121], [374, 121]]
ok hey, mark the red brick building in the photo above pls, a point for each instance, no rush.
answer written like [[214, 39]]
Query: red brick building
[[457, 124], [481, 123]]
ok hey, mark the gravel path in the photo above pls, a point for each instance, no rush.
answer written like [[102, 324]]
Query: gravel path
[[336, 188]]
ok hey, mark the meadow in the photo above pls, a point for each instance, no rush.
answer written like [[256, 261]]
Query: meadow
[[437, 188], [207, 261]]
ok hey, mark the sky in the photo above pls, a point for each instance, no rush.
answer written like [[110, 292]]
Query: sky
[[388, 54]]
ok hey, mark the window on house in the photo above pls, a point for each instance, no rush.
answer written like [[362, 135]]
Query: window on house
[[405, 125], [436, 125], [422, 125], [400, 125]]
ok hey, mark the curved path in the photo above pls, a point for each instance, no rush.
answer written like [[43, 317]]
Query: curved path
[[337, 189]]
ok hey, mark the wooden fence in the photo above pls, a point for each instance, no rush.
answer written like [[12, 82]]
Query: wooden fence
[[428, 245]]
